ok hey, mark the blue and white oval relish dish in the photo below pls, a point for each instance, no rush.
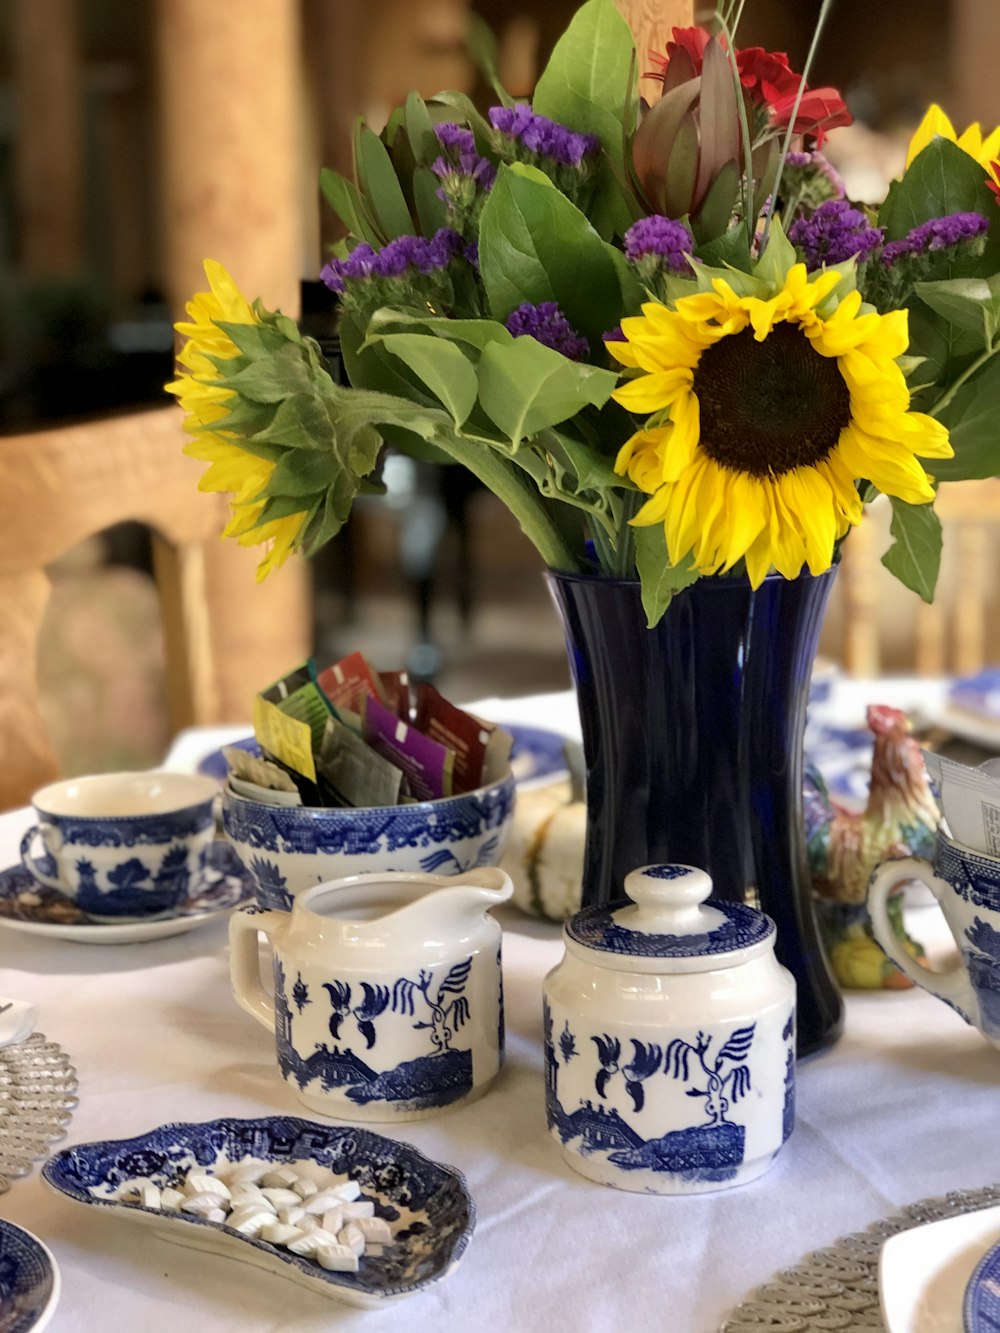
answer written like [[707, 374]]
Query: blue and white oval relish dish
[[426, 1203], [36, 909], [29, 1281], [981, 1307]]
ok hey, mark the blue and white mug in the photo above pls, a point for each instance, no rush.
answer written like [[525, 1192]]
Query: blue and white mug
[[966, 884], [122, 845]]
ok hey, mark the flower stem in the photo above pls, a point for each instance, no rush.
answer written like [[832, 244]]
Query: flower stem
[[966, 374], [790, 132], [749, 222]]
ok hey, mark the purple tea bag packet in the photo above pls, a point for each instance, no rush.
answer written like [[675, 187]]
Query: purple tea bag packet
[[427, 765]]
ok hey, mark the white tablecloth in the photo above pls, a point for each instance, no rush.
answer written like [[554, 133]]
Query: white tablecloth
[[904, 1106]]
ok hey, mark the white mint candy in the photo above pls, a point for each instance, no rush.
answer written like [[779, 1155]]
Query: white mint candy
[[352, 1238], [280, 1197], [207, 1185], [322, 1200], [375, 1230], [293, 1216], [248, 1172], [282, 1177], [151, 1195], [307, 1244], [365, 1208], [170, 1199], [216, 1215], [249, 1219], [348, 1190], [250, 1194], [304, 1187], [200, 1205], [333, 1220], [279, 1233], [337, 1259]]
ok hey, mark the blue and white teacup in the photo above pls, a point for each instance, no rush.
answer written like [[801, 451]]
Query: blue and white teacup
[[122, 845], [966, 884]]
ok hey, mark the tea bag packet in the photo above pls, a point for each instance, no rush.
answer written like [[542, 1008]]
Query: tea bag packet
[[427, 765], [347, 682], [357, 774], [258, 779], [396, 692], [469, 737], [970, 802], [299, 696]]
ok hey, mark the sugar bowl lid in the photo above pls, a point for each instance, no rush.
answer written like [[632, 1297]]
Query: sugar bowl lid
[[671, 925]]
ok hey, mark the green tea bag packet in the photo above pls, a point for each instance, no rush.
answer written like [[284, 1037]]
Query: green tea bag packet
[[299, 696], [357, 774]]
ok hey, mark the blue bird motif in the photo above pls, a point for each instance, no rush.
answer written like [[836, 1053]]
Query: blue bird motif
[[609, 1050]]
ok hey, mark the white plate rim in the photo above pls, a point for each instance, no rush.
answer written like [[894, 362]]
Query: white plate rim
[[937, 1243]]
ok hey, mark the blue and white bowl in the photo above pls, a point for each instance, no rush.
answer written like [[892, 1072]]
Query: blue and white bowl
[[288, 849], [29, 1281]]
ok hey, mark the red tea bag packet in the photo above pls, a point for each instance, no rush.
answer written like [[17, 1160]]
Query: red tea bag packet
[[482, 749], [396, 692], [348, 681], [428, 765]]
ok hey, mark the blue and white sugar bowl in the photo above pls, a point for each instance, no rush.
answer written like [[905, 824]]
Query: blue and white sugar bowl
[[670, 1039]]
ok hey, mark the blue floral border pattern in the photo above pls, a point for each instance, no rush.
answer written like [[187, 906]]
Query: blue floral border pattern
[[393, 1175], [27, 1279], [595, 928], [135, 830], [974, 878], [295, 829]]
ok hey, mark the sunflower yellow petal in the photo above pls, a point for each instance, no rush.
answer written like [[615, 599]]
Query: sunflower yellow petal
[[934, 124]]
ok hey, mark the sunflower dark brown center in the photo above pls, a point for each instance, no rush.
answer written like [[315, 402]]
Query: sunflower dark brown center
[[768, 407]]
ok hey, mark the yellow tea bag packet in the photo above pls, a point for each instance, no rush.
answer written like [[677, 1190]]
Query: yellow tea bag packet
[[287, 738]]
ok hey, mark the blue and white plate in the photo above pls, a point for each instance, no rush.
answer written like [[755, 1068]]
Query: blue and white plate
[[981, 1308], [29, 1281], [537, 754], [425, 1203], [35, 909]]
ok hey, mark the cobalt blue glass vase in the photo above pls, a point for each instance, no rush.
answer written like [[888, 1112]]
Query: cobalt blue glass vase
[[692, 737]]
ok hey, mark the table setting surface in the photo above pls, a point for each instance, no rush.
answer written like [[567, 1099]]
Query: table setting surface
[[902, 1107]]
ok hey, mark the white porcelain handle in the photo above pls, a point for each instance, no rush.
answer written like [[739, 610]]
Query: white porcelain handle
[[953, 986], [244, 962]]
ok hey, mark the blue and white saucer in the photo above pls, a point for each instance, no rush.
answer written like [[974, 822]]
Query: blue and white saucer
[[35, 909], [29, 1281]]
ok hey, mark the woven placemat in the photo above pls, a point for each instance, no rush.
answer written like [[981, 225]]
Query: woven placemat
[[37, 1100], [837, 1288]]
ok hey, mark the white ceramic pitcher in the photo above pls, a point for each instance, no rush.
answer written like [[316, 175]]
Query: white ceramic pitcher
[[388, 1001]]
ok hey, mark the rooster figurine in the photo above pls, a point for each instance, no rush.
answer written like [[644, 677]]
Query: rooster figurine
[[900, 819]]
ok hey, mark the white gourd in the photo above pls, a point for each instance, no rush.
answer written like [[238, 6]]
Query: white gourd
[[544, 852]]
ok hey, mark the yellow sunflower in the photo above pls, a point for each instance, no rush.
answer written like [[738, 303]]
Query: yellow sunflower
[[764, 413], [936, 124], [206, 401]]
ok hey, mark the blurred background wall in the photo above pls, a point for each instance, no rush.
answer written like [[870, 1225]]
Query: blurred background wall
[[88, 282]]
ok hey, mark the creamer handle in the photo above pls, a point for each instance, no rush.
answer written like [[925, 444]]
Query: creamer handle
[[952, 986], [244, 961]]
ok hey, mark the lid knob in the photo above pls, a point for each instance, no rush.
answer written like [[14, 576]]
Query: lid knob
[[668, 898]]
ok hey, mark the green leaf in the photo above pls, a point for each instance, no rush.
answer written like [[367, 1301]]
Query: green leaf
[[585, 85], [972, 304], [971, 418], [630, 288], [302, 473], [592, 469], [482, 45], [371, 367], [660, 579], [442, 106], [381, 185], [942, 179], [420, 130], [347, 202], [536, 246], [445, 370], [778, 258], [729, 249], [431, 208], [525, 387], [300, 422], [474, 332], [284, 373], [915, 555]]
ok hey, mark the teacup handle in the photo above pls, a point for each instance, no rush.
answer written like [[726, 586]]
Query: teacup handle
[[31, 865], [244, 962], [952, 986]]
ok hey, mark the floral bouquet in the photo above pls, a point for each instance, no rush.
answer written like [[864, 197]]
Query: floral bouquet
[[658, 332]]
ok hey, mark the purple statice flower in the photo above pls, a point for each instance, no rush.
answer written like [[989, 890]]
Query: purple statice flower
[[937, 234], [403, 257], [547, 324], [544, 137], [615, 335], [450, 135], [661, 239], [833, 233]]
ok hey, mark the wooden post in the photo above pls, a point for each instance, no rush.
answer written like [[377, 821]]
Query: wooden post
[[975, 39], [49, 144], [230, 122], [651, 21]]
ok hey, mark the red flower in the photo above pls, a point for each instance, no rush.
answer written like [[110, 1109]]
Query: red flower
[[993, 178], [767, 77]]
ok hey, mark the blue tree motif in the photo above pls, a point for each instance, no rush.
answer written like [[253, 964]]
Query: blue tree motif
[[173, 871], [300, 993], [446, 1015], [981, 935], [567, 1043], [271, 882], [128, 874], [735, 1080]]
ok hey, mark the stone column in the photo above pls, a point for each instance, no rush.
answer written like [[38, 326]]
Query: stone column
[[49, 143], [230, 78]]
